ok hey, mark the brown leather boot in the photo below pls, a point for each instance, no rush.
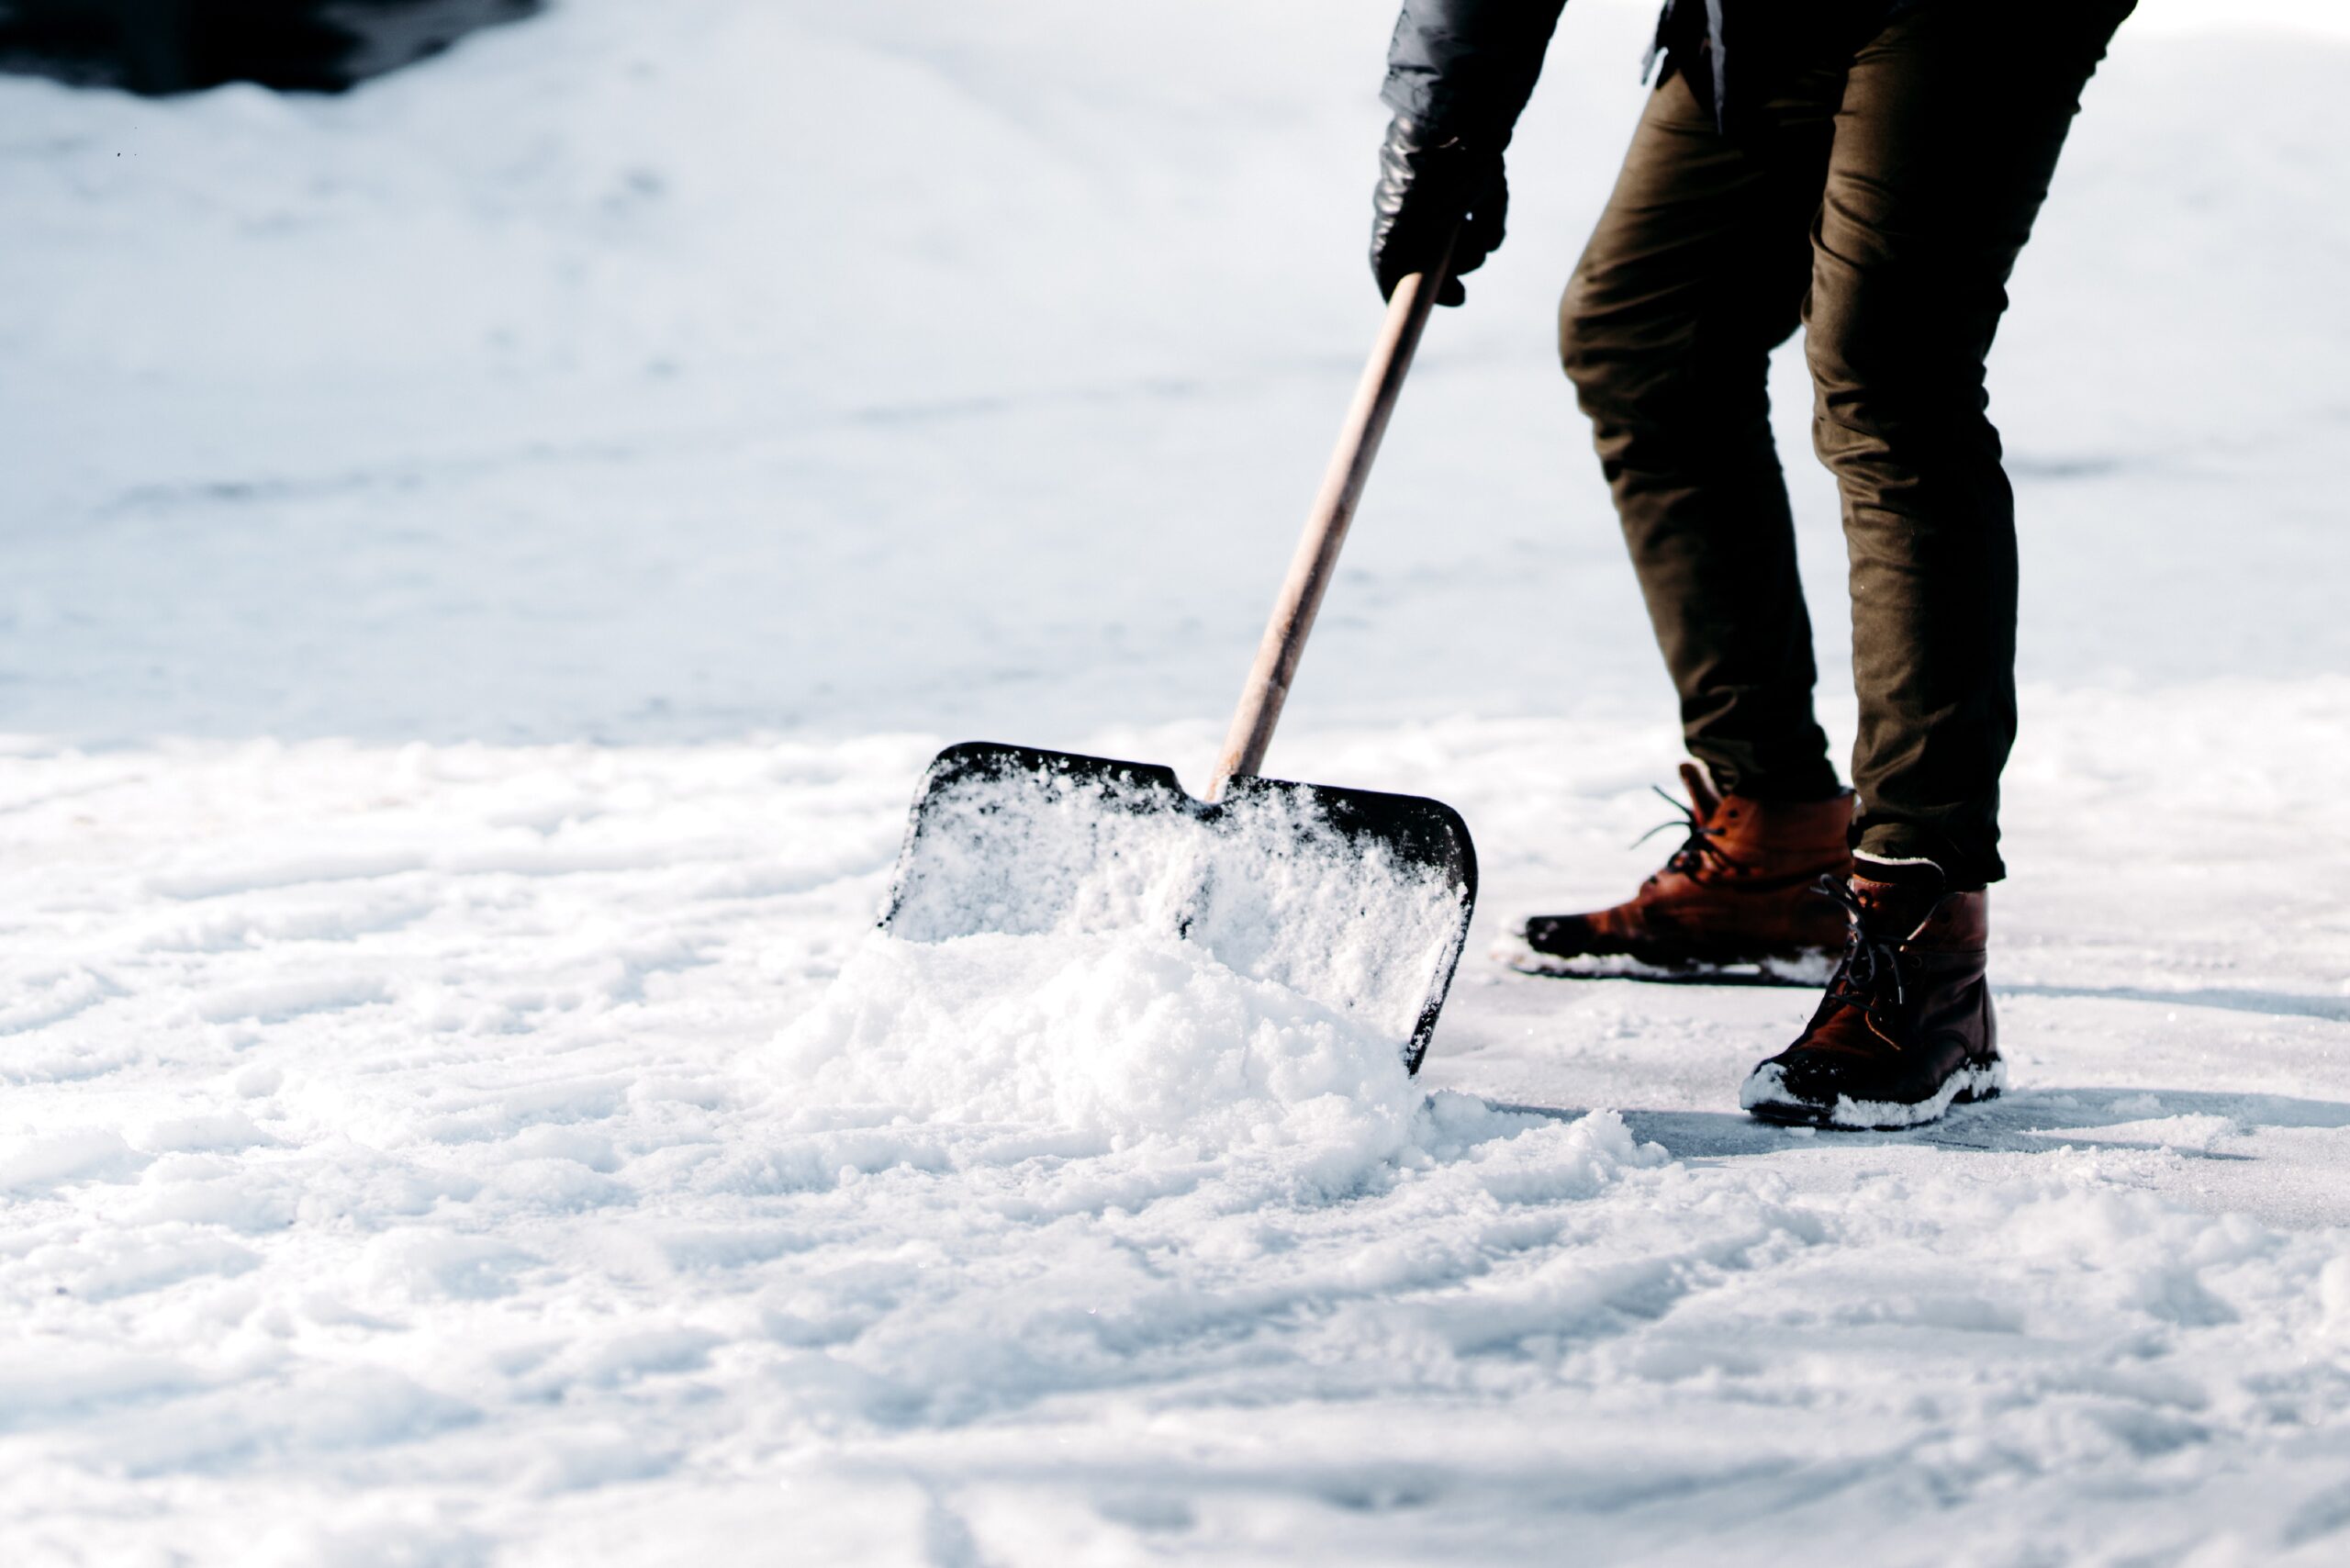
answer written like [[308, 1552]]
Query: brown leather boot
[[1743, 890], [1905, 1029]]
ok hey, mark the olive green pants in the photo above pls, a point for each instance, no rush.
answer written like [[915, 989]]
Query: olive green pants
[[1879, 196]]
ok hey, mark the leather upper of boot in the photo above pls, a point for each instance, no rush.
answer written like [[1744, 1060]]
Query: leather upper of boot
[[1740, 840], [1742, 884]]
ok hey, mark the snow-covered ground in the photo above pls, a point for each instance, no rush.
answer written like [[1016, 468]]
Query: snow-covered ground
[[482, 561]]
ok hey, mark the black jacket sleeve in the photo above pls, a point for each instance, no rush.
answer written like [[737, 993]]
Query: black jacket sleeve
[[1465, 67]]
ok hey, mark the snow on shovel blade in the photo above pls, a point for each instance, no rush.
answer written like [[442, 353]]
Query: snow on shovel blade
[[1357, 899]]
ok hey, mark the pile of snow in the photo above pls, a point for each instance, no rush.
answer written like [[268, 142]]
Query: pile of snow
[[1085, 952], [1267, 882], [1129, 1034], [1093, 951]]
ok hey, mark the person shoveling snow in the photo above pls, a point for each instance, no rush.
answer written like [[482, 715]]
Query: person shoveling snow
[[1844, 169], [1870, 170]]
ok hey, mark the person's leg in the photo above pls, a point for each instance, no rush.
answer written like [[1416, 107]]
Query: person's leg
[[1695, 271], [1952, 122], [1948, 134]]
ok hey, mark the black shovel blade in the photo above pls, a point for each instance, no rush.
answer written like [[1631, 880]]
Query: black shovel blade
[[1357, 899]]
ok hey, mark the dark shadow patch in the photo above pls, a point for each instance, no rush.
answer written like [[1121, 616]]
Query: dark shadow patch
[[160, 47]]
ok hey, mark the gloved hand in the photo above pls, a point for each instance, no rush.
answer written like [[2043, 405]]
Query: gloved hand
[[1424, 186]]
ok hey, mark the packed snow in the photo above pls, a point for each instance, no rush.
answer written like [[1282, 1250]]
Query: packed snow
[[486, 562]]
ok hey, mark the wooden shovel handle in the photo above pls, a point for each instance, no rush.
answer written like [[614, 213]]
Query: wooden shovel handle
[[1326, 526]]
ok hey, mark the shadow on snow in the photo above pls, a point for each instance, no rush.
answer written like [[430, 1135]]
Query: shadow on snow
[[2031, 1121]]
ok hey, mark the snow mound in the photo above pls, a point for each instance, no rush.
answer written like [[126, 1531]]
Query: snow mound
[[1266, 883], [1124, 1035]]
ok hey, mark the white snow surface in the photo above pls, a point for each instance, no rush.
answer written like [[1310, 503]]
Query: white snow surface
[[485, 561]]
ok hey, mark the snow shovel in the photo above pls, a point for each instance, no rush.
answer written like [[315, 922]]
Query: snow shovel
[[1357, 899]]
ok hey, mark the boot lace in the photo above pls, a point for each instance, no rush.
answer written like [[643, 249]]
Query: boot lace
[[1697, 852], [1871, 969]]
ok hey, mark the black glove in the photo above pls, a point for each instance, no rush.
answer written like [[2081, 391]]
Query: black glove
[[1425, 184]]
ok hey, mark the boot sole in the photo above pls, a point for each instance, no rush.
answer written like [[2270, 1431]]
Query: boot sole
[[1808, 968], [1969, 1086]]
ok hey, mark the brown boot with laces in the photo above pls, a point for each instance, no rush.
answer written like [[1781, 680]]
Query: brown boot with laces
[[1738, 893], [1905, 1030]]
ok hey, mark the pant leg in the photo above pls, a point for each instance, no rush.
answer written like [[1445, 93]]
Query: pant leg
[[1695, 271], [1951, 120]]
